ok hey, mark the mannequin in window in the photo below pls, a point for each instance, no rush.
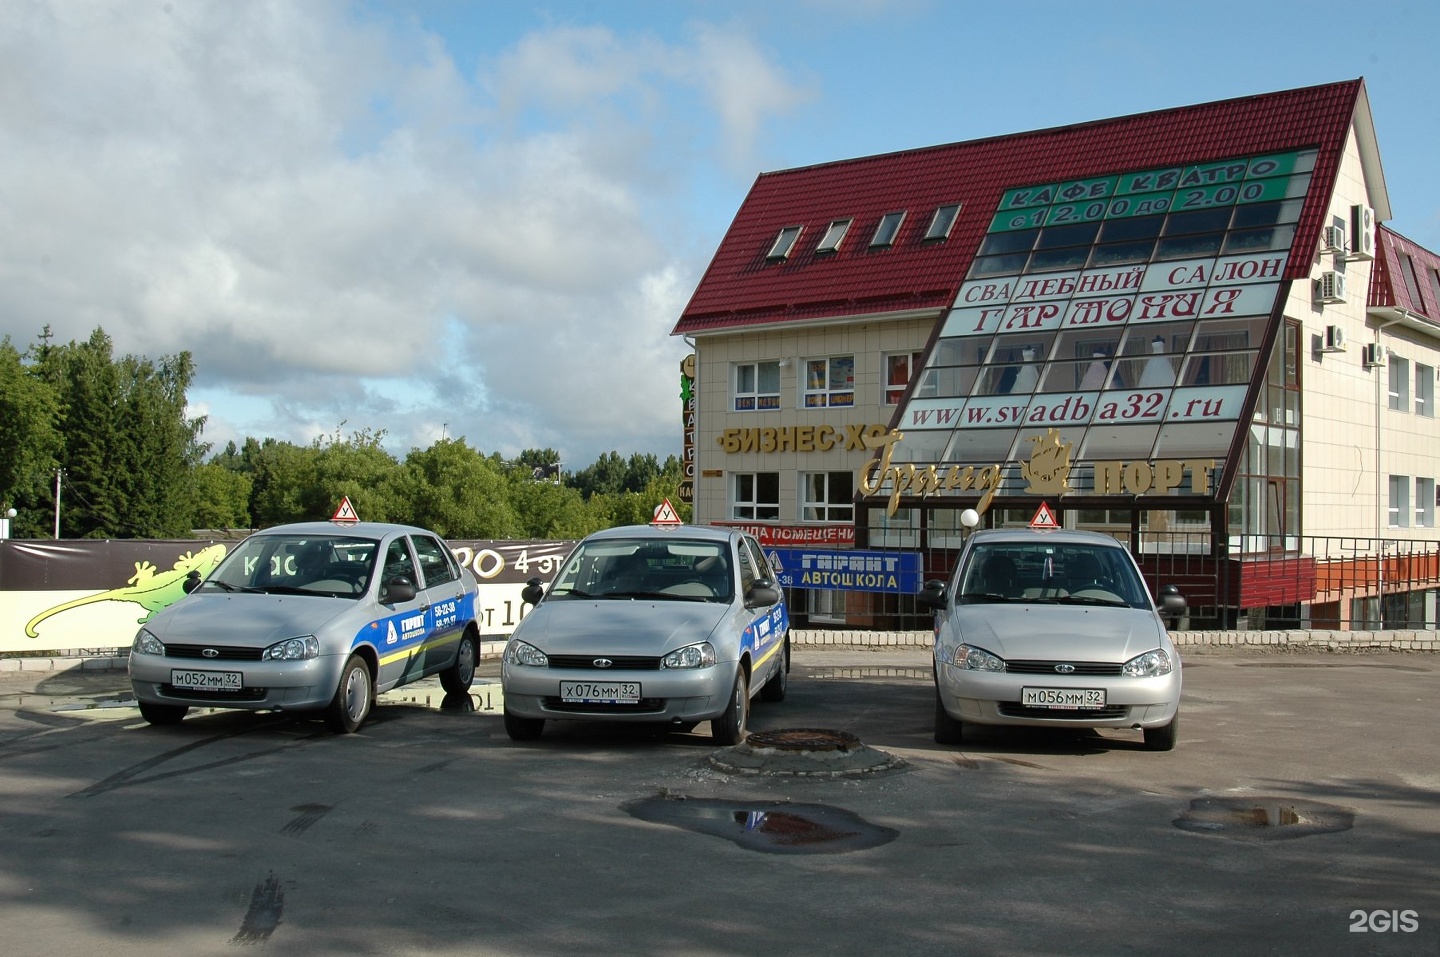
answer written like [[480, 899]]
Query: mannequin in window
[[1094, 378], [1028, 375], [1158, 371]]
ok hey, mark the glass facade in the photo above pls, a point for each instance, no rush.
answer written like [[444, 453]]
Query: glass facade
[[1119, 317]]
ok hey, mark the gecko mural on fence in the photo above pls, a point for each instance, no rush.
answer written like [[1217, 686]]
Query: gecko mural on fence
[[147, 588]]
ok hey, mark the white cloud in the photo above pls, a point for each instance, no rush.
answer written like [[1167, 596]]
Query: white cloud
[[341, 226]]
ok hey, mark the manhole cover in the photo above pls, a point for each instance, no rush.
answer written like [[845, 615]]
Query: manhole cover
[[804, 739], [1258, 818]]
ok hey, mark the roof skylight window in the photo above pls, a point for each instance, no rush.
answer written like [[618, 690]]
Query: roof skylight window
[[941, 222], [784, 242], [833, 235], [889, 226]]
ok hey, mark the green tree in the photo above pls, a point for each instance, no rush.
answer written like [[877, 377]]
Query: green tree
[[547, 510], [283, 475], [29, 410], [455, 491], [222, 497], [357, 468]]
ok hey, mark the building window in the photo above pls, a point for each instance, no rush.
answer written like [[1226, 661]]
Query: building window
[[1399, 383], [899, 367], [755, 495], [1424, 503], [757, 386], [784, 242], [941, 222], [1412, 281], [1399, 501], [833, 235], [1424, 390], [827, 497], [889, 227], [830, 383]]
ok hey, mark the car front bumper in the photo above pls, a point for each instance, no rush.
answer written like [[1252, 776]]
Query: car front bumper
[[679, 695], [265, 685], [984, 697]]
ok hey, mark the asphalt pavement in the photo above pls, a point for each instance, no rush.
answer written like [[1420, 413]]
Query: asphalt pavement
[[1299, 814]]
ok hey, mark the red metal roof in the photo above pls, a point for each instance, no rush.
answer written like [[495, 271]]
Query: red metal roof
[[741, 288], [1388, 283]]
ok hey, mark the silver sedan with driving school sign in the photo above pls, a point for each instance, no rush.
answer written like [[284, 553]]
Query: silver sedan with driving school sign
[[1052, 629], [674, 625], [316, 616]]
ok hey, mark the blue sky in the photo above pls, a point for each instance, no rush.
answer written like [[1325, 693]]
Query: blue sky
[[482, 219]]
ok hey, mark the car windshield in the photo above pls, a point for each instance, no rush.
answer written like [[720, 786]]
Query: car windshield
[[1078, 574], [331, 565], [670, 570]]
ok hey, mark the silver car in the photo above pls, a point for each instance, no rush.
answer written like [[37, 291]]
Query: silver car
[[1052, 629], [650, 624], [311, 617]]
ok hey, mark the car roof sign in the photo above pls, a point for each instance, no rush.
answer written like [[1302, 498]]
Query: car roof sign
[[345, 514], [666, 516], [1044, 518]]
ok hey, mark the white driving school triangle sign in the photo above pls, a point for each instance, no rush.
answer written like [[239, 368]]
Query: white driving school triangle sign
[[666, 515]]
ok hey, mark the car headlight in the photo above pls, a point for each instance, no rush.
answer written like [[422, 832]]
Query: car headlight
[[293, 649], [523, 653], [700, 655], [147, 644], [971, 658], [1152, 664]]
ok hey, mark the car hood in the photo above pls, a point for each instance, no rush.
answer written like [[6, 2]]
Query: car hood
[[1059, 631], [250, 621], [632, 627]]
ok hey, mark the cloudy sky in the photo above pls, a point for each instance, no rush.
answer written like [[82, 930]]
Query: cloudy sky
[[482, 219]]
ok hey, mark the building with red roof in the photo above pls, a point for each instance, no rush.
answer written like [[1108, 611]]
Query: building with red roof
[[1186, 328]]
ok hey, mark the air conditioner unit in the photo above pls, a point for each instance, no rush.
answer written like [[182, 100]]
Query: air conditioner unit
[[1375, 354], [1334, 339], [1362, 233], [1333, 240], [1330, 287]]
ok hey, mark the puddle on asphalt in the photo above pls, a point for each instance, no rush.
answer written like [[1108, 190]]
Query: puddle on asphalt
[[1255, 818], [768, 827]]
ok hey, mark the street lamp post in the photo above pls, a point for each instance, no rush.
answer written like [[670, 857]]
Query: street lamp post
[[5, 522]]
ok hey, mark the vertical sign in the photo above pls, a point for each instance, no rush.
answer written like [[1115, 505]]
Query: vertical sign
[[687, 419]]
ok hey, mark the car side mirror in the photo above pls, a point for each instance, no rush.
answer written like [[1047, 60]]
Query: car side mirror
[[398, 589], [1172, 603], [192, 581], [932, 595], [763, 594], [533, 591]]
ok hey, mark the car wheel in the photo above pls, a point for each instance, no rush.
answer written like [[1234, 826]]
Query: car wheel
[[162, 713], [523, 729], [351, 704], [457, 678], [729, 728], [948, 730], [1163, 737], [774, 689]]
